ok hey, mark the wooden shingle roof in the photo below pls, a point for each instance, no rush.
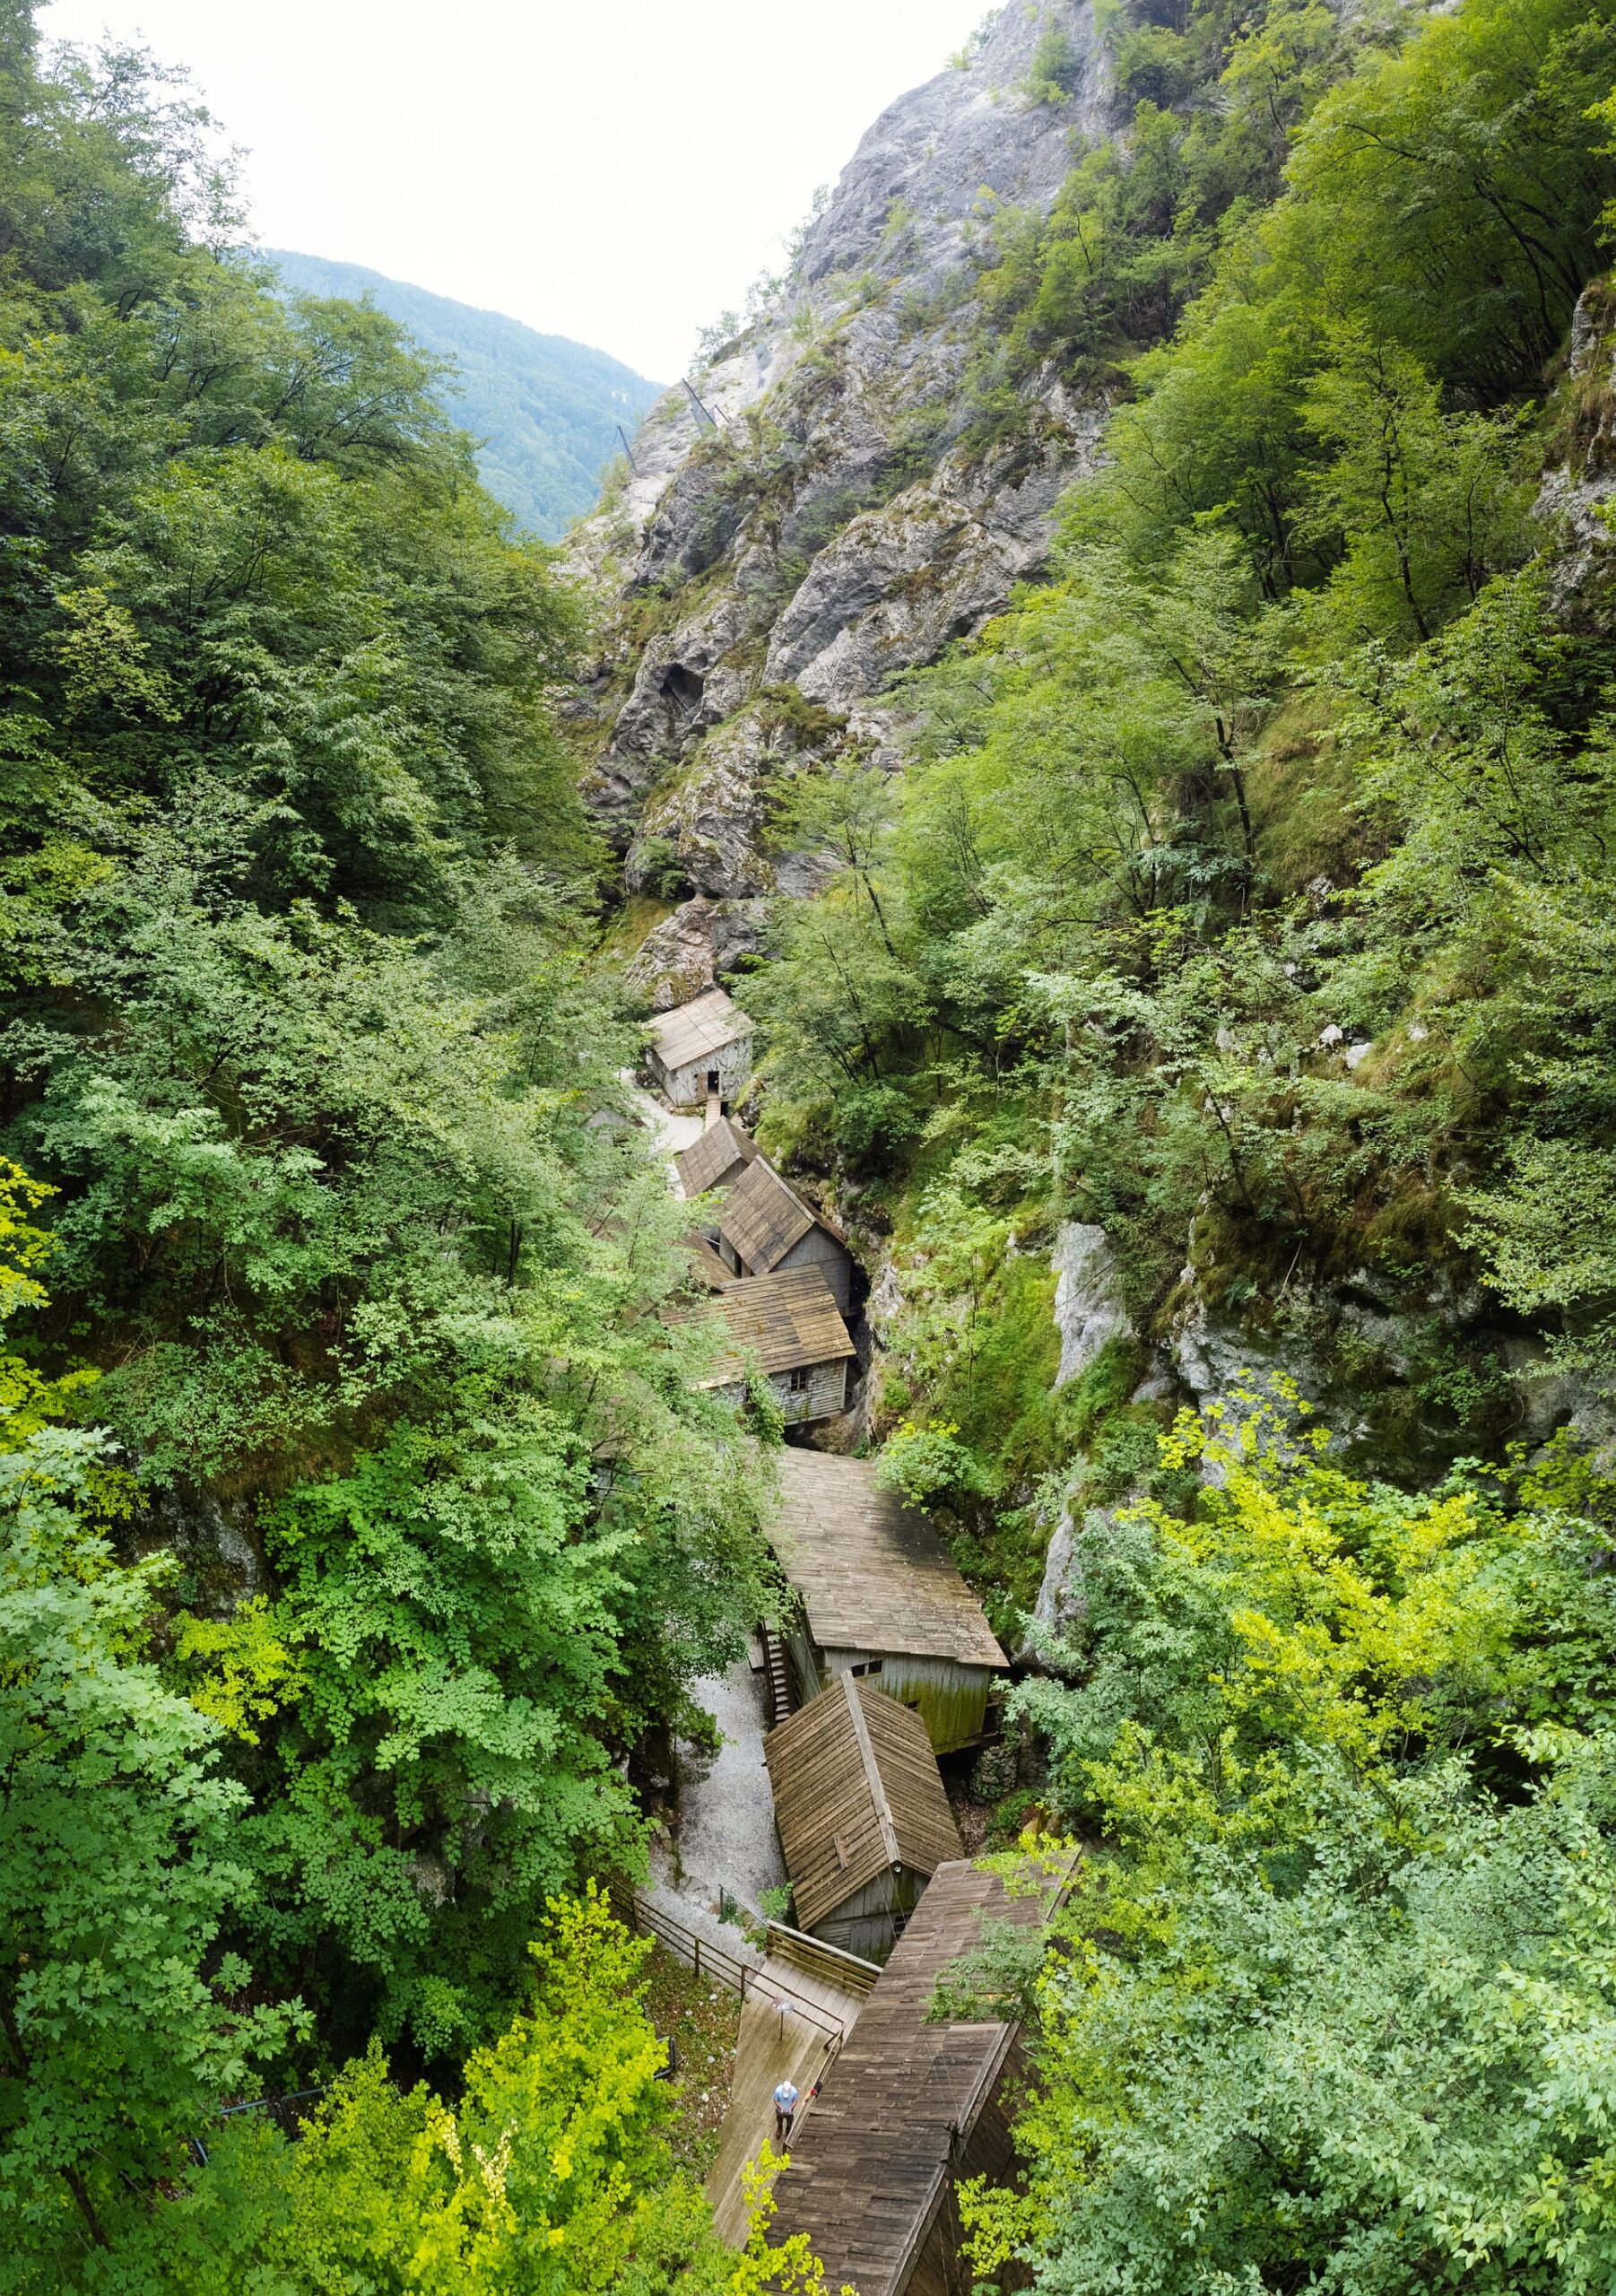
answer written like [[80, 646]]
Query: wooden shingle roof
[[857, 1792], [761, 1219], [873, 2159], [871, 1572], [781, 1323], [706, 1265], [723, 1151], [692, 1031]]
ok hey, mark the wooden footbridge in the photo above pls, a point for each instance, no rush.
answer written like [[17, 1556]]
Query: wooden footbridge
[[799, 2003]]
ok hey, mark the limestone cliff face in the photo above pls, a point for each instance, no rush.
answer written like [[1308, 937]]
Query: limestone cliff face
[[1578, 492], [834, 512]]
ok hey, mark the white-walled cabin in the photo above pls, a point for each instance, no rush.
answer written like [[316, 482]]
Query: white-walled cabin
[[701, 1049]]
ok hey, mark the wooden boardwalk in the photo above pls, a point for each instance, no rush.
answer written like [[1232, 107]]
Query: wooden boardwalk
[[912, 2105], [777, 2042]]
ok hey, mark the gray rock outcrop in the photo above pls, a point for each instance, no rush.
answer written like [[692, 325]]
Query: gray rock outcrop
[[1577, 495], [931, 156], [691, 950], [826, 517], [712, 810], [218, 1541], [1089, 1313], [1058, 1602]]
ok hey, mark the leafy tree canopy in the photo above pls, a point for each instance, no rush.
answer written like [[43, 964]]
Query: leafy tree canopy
[[301, 1048]]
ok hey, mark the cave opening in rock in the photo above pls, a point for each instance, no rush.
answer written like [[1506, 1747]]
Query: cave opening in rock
[[681, 692]]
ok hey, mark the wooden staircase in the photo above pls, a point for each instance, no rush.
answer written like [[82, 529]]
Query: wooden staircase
[[776, 1673]]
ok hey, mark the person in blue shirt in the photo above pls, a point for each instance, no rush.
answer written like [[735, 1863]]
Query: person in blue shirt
[[785, 2112]]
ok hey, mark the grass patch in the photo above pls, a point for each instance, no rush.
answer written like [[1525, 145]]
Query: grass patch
[[703, 2020], [1089, 1431], [1000, 1392], [641, 913], [1301, 785]]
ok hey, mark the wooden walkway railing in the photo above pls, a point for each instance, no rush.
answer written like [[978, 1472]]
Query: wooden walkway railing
[[636, 1911], [847, 1972]]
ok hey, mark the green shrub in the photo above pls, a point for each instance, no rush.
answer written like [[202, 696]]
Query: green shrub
[[1057, 69]]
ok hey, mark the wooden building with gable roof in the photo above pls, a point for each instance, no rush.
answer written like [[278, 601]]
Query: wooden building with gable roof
[[716, 1161], [787, 1327], [764, 1226], [877, 1597], [863, 1819], [700, 1049], [910, 2108]]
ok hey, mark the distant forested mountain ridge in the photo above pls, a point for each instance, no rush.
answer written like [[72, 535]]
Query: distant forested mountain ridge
[[545, 408]]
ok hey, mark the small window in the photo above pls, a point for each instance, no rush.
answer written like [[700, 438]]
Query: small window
[[799, 1381], [866, 1666]]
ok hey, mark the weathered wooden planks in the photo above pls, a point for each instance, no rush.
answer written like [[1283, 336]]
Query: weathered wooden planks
[[907, 2107]]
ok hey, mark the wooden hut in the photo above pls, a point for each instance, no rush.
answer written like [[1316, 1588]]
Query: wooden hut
[[698, 1049], [863, 1819], [878, 1598], [788, 1327], [909, 2108], [765, 1226], [716, 1161]]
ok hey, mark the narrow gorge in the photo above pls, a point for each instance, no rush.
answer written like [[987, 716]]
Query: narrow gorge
[[858, 487], [808, 1403]]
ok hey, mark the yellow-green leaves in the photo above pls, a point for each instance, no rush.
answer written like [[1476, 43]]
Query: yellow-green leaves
[[23, 1246], [1291, 1617], [548, 2176], [1351, 1612], [28, 1401], [104, 660], [123, 2023], [250, 1671]]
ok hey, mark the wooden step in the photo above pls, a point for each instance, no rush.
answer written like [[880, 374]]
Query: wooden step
[[777, 1673]]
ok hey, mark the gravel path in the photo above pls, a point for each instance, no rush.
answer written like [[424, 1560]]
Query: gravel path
[[726, 1832], [672, 1133]]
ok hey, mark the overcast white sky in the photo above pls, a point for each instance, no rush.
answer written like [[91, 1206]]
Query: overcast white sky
[[617, 171]]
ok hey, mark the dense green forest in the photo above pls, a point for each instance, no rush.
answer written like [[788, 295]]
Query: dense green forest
[[545, 411], [1250, 882], [359, 1518]]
